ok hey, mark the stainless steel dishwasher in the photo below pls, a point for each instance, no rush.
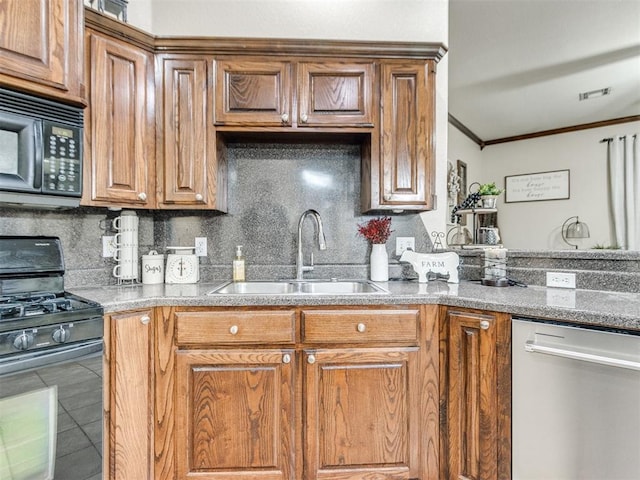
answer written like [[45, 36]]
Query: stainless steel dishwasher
[[576, 402]]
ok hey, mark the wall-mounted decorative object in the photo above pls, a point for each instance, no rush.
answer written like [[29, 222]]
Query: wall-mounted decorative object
[[462, 192], [453, 184], [534, 187], [462, 173]]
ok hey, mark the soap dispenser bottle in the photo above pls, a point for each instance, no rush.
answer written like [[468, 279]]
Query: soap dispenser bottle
[[238, 265]]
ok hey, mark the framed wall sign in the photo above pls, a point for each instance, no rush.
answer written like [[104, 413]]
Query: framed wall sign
[[534, 187]]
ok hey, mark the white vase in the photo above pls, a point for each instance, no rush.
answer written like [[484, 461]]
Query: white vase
[[379, 263]]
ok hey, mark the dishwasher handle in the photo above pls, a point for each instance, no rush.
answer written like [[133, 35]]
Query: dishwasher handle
[[532, 347]]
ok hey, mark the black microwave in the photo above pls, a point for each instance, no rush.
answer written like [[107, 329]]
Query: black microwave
[[40, 151]]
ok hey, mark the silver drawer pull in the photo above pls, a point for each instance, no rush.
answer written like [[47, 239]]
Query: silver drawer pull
[[484, 324], [145, 320], [311, 359], [286, 358], [362, 327], [233, 330]]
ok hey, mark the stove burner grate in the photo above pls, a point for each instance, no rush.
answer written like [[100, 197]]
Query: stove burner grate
[[18, 306]]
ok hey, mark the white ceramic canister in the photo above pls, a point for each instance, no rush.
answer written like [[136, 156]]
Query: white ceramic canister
[[152, 268]]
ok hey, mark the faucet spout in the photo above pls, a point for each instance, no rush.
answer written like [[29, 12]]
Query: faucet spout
[[322, 242]]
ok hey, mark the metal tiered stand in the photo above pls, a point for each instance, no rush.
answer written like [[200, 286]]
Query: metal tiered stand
[[476, 227]]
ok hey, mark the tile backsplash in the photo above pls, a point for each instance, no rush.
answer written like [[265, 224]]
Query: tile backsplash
[[270, 186]]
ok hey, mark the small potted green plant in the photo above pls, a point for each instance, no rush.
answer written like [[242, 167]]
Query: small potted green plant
[[489, 194]]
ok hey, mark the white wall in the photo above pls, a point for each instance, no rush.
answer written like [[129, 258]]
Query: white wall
[[536, 225], [410, 20]]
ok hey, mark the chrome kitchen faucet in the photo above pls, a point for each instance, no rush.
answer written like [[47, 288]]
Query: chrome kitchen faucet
[[322, 245]]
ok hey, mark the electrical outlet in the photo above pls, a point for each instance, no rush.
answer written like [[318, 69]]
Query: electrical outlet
[[108, 246], [201, 246], [405, 243], [561, 280]]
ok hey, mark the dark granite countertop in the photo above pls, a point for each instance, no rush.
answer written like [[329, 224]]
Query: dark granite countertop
[[611, 309]]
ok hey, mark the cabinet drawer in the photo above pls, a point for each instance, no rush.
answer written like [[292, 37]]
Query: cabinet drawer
[[360, 326], [210, 328]]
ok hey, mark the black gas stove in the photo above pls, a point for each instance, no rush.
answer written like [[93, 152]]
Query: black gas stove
[[35, 310]]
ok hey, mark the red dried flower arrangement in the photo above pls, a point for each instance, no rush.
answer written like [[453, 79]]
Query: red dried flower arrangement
[[376, 230]]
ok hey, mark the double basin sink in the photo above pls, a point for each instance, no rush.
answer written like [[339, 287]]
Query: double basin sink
[[301, 287]]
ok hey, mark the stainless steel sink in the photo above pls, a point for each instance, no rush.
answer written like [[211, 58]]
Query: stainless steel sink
[[340, 287], [304, 287], [256, 288]]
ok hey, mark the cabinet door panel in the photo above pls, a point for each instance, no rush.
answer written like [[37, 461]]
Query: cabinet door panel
[[478, 393], [41, 46], [120, 125], [406, 147], [129, 406], [234, 414], [332, 93], [187, 148], [361, 413], [253, 93]]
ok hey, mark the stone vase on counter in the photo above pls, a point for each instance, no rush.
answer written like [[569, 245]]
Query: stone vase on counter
[[379, 263]]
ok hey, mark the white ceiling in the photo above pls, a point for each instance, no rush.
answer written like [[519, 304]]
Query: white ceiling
[[517, 66]]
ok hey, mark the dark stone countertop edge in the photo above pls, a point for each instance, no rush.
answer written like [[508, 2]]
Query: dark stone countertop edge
[[610, 309]]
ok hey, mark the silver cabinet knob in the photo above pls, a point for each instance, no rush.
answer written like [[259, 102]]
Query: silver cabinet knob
[[304, 118], [145, 319], [484, 324], [233, 330], [199, 197], [285, 117], [286, 358], [311, 359], [142, 196], [386, 197], [362, 327]]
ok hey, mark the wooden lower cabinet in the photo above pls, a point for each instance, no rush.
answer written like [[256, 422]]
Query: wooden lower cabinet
[[475, 379], [345, 402], [362, 415], [128, 404], [234, 414]]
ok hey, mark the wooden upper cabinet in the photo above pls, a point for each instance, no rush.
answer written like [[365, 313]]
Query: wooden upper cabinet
[[261, 93], [41, 47], [404, 177], [336, 94], [119, 125], [188, 173], [253, 92], [235, 414]]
